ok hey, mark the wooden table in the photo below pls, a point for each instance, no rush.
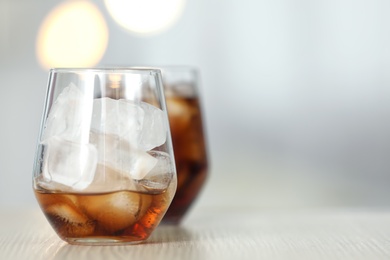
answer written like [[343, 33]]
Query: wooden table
[[219, 233]]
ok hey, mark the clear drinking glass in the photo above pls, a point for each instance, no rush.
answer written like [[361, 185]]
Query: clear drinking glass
[[188, 137], [104, 171]]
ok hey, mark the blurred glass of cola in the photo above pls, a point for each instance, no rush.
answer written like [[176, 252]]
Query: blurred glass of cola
[[188, 137]]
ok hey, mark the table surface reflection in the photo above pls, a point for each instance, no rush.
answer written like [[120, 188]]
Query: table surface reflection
[[219, 233]]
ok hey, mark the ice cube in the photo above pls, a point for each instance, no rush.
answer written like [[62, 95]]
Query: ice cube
[[69, 163], [154, 128], [180, 114], [70, 116], [194, 148], [122, 156], [72, 221], [114, 211], [140, 124], [108, 179], [140, 163], [159, 178], [56, 198], [117, 117]]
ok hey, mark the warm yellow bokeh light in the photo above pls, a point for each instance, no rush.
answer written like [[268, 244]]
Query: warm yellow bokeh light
[[74, 34], [145, 17]]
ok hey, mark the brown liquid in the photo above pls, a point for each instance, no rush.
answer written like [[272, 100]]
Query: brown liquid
[[190, 154], [106, 218]]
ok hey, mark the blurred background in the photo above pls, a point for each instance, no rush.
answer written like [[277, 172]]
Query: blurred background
[[295, 93]]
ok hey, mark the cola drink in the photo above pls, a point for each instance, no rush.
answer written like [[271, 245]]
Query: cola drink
[[128, 216], [189, 146]]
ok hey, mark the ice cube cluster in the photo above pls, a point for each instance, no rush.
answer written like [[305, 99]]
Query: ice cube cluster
[[83, 137]]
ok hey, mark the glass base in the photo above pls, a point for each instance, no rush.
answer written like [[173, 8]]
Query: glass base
[[103, 241]]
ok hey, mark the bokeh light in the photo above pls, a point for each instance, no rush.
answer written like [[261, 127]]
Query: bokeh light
[[146, 17], [74, 34]]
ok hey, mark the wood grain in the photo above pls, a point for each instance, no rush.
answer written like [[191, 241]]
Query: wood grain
[[218, 233]]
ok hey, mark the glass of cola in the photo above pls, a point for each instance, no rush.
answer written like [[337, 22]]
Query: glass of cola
[[104, 171], [181, 84]]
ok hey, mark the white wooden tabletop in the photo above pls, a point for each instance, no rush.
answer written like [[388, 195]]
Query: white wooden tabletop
[[219, 233]]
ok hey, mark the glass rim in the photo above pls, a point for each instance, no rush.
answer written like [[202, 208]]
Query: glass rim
[[112, 69]]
